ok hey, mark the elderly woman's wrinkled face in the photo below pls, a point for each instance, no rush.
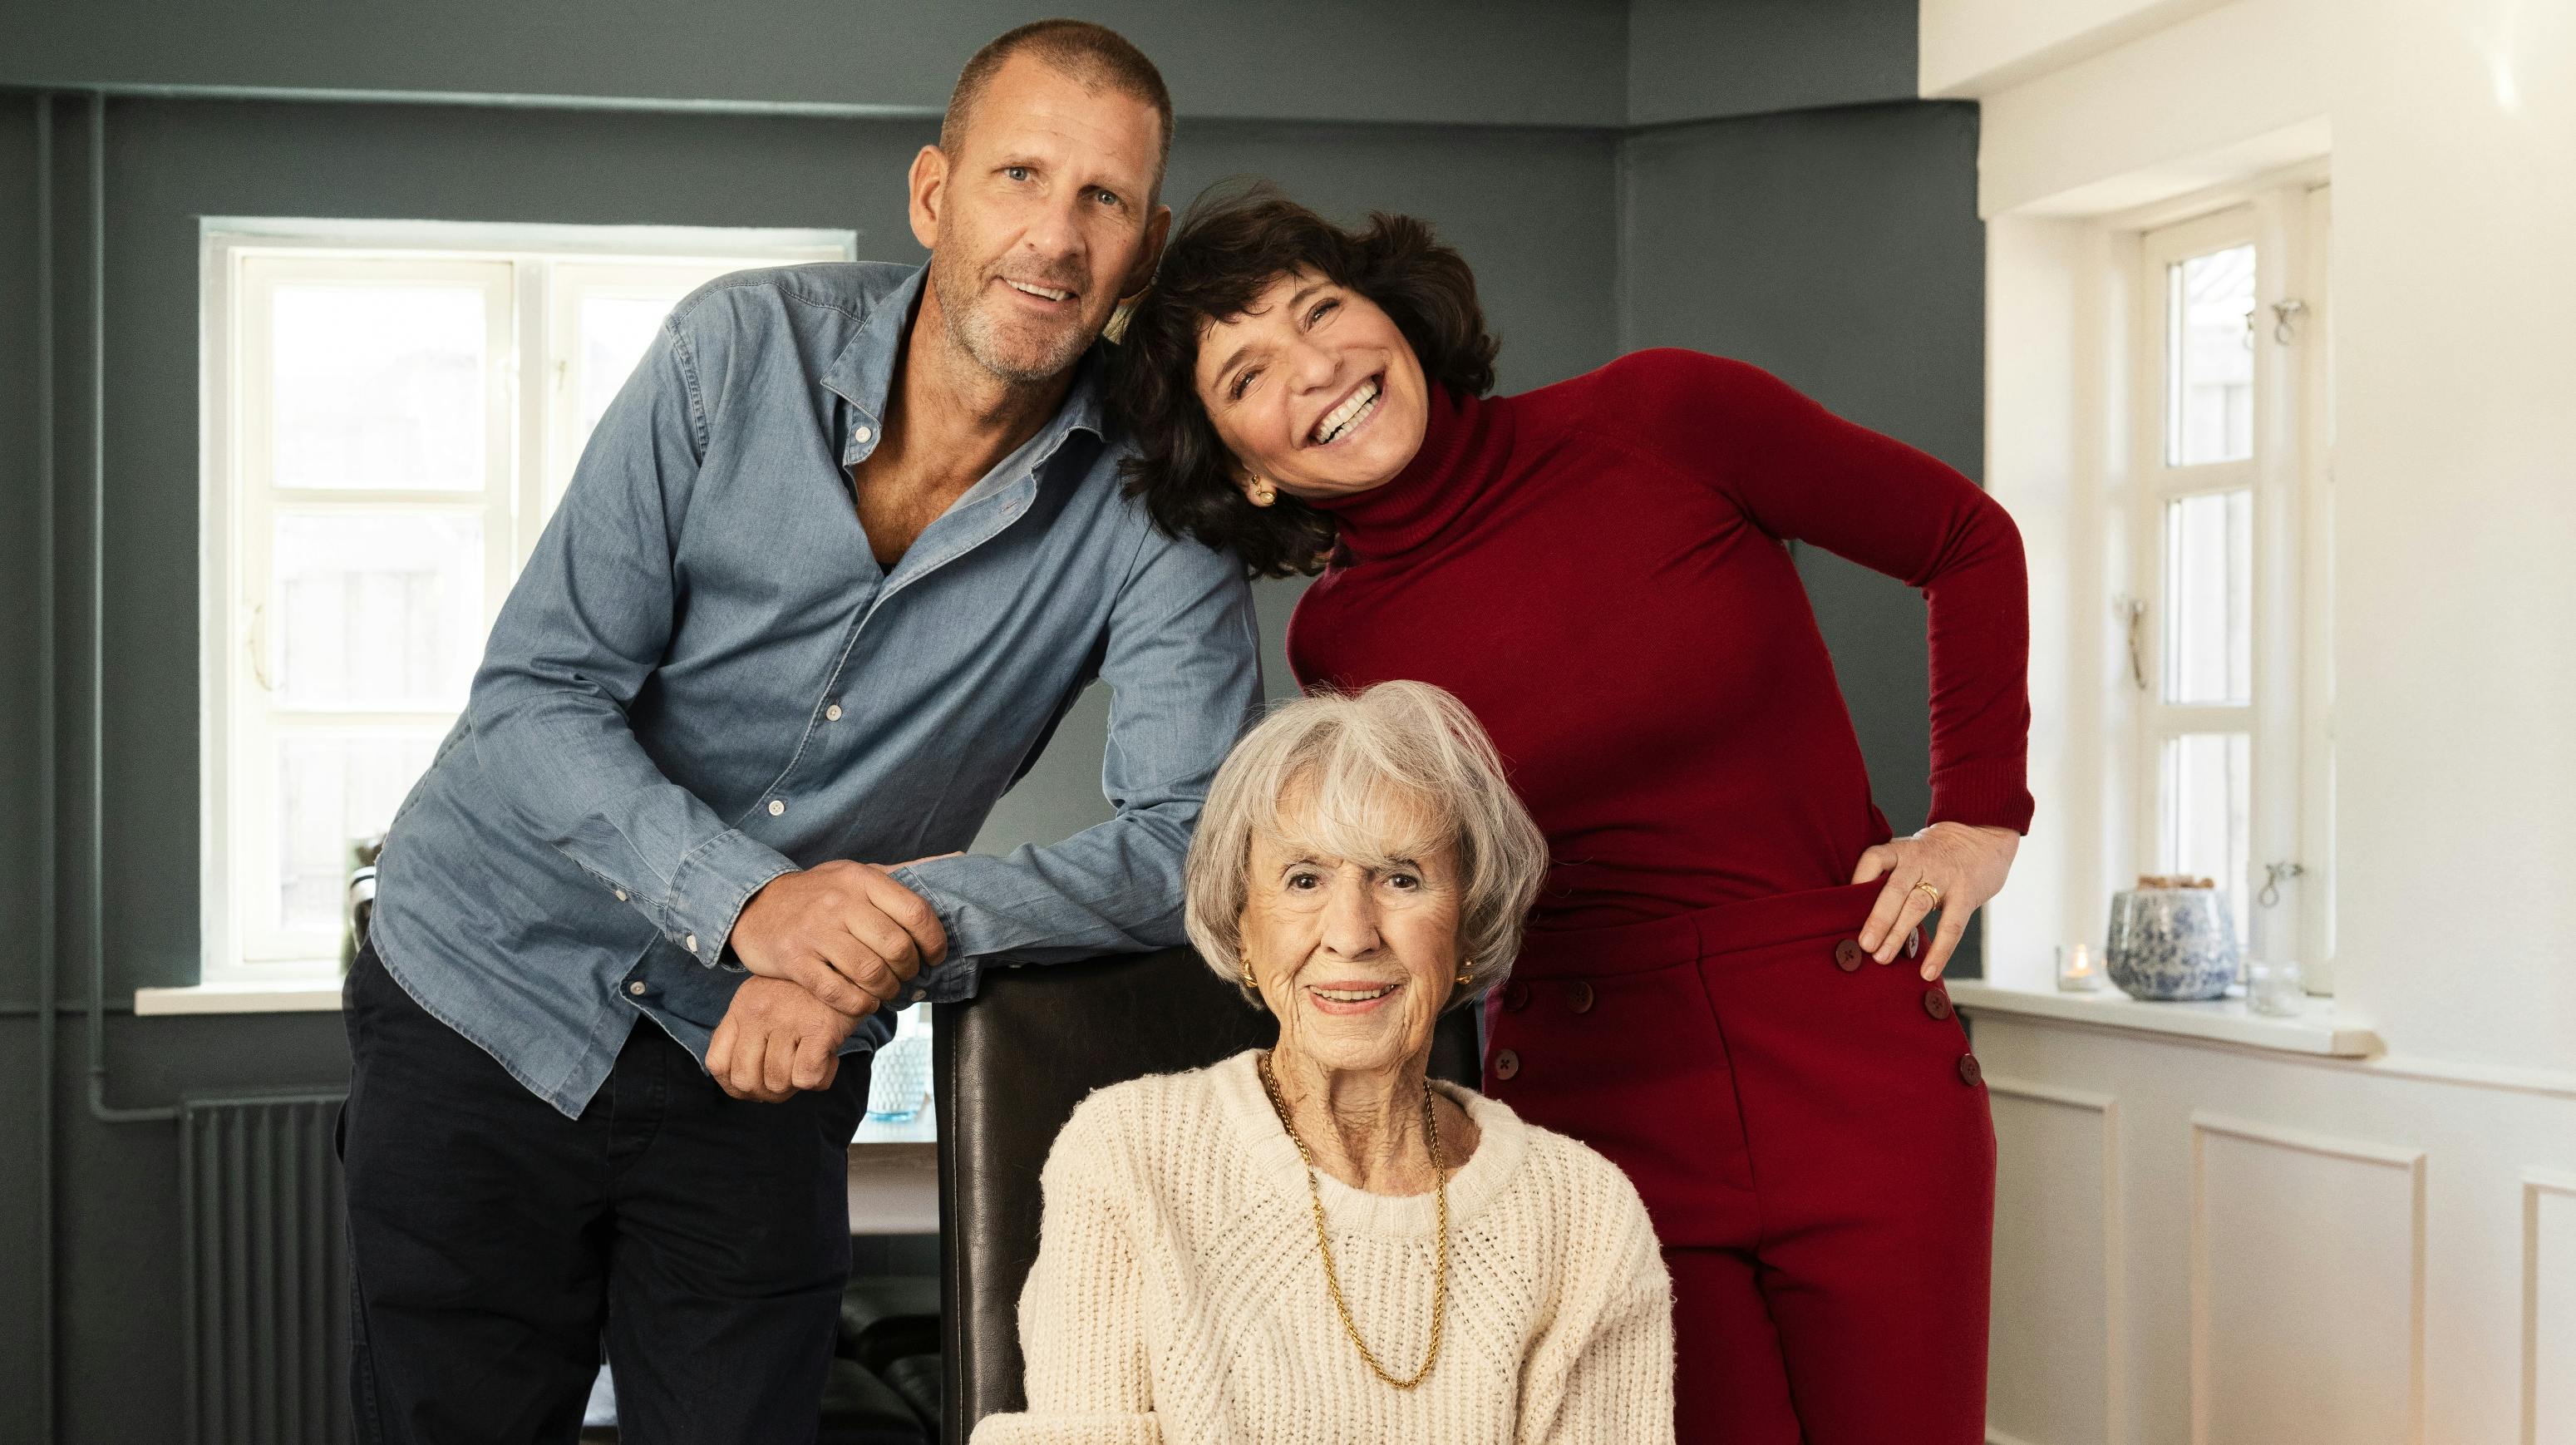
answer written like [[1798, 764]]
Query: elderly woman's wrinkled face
[[1355, 958], [1313, 389]]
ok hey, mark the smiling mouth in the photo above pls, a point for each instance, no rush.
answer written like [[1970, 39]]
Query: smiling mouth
[[1351, 1000], [1348, 417], [1043, 293]]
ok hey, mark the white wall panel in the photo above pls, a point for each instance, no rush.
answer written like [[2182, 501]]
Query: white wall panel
[[2307, 1287], [2273, 1278], [2057, 1251], [2549, 1308]]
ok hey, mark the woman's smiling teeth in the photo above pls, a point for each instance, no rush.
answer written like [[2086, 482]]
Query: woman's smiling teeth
[[1351, 998], [1346, 418]]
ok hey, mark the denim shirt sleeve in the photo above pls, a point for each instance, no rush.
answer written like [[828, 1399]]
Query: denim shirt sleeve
[[1183, 664], [586, 624]]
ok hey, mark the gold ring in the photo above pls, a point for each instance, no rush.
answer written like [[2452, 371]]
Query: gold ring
[[1926, 887]]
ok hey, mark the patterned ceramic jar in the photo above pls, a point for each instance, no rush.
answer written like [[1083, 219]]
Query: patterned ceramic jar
[[2171, 942]]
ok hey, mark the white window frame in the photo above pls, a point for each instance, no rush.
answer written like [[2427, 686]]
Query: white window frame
[[2290, 715], [532, 276]]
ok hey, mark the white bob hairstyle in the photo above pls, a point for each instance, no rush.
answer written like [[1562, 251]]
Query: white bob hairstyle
[[1397, 771]]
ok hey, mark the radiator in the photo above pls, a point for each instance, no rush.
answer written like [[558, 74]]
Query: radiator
[[264, 1272]]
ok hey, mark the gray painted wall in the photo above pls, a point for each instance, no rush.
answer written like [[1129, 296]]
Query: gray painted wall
[[20, 1235], [1840, 250], [1547, 275], [1697, 60], [18, 502], [1551, 62]]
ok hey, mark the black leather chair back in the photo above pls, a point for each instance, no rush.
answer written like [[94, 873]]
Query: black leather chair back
[[1010, 1065]]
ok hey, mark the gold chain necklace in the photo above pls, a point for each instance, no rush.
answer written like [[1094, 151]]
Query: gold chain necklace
[[1323, 1242]]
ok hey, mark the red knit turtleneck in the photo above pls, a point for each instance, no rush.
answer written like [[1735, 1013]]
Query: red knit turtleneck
[[1597, 569], [1466, 444]]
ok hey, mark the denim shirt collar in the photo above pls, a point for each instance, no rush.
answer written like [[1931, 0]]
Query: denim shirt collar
[[863, 375]]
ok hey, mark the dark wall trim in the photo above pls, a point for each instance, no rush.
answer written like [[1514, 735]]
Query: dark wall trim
[[46, 703]]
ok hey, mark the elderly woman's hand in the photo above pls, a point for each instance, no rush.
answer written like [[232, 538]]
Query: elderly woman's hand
[[1966, 863]]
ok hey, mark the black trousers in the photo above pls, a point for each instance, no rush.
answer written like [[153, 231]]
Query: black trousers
[[497, 1244]]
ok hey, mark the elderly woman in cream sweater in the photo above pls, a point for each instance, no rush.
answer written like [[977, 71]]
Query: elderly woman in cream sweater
[[1318, 1244]]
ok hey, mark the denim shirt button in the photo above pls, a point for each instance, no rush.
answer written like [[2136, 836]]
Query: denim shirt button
[[777, 806], [860, 434], [693, 943], [621, 894], [832, 713], [639, 988]]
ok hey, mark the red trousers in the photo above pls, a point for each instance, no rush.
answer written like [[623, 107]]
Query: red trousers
[[1811, 1137]]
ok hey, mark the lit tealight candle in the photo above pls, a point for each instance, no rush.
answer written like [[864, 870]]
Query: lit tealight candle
[[2075, 971]]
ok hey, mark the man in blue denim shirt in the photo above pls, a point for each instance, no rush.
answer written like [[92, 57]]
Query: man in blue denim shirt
[[836, 562]]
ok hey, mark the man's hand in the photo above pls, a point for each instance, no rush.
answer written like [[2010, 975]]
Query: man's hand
[[846, 933], [775, 1040]]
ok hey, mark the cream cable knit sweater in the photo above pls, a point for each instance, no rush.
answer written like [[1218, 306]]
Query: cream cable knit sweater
[[1178, 1298]]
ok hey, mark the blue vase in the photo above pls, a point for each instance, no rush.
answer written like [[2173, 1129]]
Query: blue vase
[[2171, 943]]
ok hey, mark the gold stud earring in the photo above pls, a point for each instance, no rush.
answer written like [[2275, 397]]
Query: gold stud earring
[[1250, 984], [1263, 494], [1467, 973]]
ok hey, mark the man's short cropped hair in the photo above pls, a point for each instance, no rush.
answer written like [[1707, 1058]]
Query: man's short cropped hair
[[1095, 55]]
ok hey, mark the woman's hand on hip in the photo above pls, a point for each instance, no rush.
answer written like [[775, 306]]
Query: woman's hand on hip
[[1954, 866]]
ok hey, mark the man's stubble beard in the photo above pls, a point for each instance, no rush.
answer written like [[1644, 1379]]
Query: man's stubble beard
[[972, 327]]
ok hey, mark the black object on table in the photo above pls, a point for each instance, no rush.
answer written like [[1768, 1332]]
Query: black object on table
[[860, 1409], [886, 1317]]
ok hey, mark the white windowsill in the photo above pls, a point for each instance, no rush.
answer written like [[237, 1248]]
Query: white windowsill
[[2318, 1029], [321, 994], [894, 1181], [305, 993]]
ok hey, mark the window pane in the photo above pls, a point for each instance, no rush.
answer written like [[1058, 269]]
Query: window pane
[[377, 609], [2209, 346], [332, 791], [615, 329], [2209, 599], [379, 386], [2207, 803]]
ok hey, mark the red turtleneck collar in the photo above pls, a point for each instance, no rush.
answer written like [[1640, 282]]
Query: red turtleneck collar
[[1466, 441]]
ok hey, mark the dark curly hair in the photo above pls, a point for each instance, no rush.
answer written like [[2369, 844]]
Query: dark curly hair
[[1236, 240]]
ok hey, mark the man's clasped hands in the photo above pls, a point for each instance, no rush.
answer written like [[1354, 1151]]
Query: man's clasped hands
[[826, 947]]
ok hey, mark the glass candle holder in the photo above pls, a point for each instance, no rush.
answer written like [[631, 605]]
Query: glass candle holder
[[2077, 969], [2275, 986]]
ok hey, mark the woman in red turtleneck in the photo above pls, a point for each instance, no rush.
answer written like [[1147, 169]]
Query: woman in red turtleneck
[[1711, 990]]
